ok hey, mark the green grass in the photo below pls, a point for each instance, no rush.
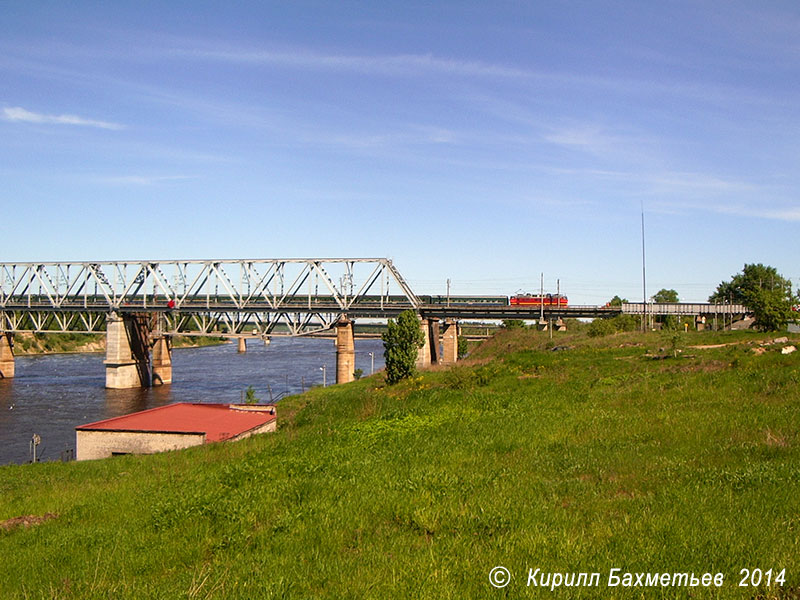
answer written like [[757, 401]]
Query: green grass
[[600, 455]]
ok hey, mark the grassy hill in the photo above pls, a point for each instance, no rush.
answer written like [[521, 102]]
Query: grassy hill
[[575, 455]]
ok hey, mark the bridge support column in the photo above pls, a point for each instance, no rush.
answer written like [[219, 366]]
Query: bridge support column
[[241, 346], [450, 342], [162, 361], [6, 356], [433, 333], [123, 370], [345, 351], [424, 353]]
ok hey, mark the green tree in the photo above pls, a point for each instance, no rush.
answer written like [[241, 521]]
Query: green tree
[[250, 396], [617, 301], [401, 343], [665, 295], [766, 293]]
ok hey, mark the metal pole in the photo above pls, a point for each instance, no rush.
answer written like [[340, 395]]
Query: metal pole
[[541, 299], [644, 278]]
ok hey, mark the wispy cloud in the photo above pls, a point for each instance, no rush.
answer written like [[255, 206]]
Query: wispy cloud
[[786, 213], [21, 115], [142, 179], [400, 64]]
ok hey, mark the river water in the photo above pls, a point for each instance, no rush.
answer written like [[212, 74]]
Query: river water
[[52, 394]]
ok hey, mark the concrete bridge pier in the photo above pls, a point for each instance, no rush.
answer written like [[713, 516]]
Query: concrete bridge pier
[[433, 334], [424, 353], [6, 356], [345, 350], [241, 346], [450, 342], [127, 353], [162, 361]]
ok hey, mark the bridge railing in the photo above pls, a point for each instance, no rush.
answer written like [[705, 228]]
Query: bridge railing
[[683, 308]]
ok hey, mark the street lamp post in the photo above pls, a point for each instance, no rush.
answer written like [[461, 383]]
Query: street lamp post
[[324, 381], [371, 363]]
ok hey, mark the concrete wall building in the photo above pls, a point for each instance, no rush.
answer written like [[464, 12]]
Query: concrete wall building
[[172, 427]]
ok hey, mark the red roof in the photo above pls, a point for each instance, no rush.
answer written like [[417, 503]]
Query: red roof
[[218, 421]]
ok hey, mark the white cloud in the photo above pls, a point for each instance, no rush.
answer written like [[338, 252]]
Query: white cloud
[[18, 114], [142, 179], [400, 64]]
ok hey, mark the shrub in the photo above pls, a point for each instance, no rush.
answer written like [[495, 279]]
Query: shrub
[[401, 342]]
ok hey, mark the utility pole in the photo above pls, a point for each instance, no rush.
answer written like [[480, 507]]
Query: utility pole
[[541, 300], [644, 279], [448, 292]]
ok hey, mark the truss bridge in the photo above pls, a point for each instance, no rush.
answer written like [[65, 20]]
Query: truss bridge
[[272, 297]]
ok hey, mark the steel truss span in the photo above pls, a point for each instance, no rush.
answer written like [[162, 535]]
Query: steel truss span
[[270, 296]]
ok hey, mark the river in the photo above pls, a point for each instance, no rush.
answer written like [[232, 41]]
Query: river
[[53, 394]]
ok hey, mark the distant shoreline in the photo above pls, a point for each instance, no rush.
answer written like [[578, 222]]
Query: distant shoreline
[[95, 346]]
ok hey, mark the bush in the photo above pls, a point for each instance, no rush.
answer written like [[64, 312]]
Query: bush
[[401, 342], [601, 327]]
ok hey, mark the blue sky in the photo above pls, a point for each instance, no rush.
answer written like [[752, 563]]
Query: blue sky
[[482, 142]]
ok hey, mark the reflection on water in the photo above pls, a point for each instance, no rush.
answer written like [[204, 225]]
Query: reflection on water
[[51, 395]]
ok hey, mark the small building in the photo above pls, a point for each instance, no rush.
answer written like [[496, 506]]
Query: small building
[[172, 427]]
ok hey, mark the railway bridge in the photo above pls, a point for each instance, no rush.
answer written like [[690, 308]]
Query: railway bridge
[[141, 305]]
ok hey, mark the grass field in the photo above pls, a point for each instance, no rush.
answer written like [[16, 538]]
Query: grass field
[[573, 455]]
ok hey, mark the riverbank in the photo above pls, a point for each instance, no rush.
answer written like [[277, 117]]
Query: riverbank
[[572, 455], [34, 344]]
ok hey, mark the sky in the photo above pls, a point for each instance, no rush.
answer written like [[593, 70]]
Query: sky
[[489, 143]]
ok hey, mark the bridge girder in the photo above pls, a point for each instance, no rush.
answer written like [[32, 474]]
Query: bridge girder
[[303, 294]]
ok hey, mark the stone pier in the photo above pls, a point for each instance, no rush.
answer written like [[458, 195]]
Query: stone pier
[[433, 335], [450, 342], [6, 356], [241, 346], [162, 361], [424, 353], [127, 360], [345, 351]]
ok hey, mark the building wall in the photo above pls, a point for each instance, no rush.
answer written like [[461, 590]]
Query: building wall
[[265, 428], [102, 444]]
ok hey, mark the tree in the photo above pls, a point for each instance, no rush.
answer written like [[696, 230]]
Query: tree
[[250, 396], [617, 301], [401, 343], [766, 293], [665, 296]]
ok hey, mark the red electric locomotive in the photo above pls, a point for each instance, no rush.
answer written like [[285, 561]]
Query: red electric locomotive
[[538, 300]]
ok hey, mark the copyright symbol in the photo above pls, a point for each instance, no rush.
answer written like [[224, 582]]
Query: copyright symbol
[[499, 577]]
